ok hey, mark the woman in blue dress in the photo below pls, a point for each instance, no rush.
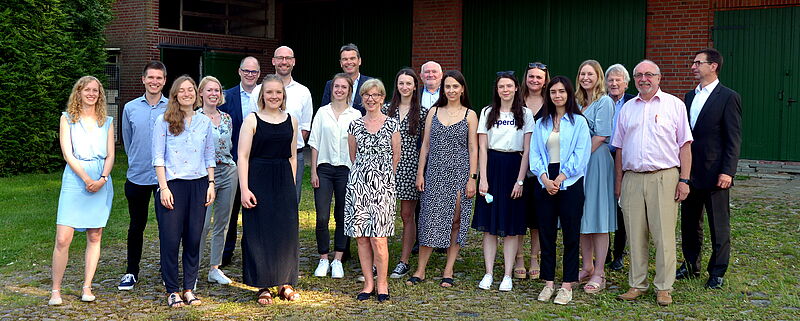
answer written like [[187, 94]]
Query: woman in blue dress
[[599, 210], [87, 143]]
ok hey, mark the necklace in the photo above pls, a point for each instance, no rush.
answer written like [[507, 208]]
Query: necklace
[[451, 114]]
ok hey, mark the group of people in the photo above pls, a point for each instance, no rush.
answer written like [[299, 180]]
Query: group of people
[[542, 156]]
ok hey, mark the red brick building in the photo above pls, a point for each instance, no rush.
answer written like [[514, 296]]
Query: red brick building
[[209, 40]]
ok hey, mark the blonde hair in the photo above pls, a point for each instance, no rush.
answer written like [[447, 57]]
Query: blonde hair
[[372, 83], [269, 78], [204, 82], [174, 115], [584, 98], [75, 100], [349, 81]]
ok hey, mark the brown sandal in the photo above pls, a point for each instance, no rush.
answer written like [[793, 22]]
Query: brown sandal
[[288, 293], [190, 299], [265, 295]]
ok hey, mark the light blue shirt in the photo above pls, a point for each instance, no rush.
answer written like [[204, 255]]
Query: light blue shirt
[[576, 147], [429, 98], [188, 155], [245, 99], [617, 107], [138, 118]]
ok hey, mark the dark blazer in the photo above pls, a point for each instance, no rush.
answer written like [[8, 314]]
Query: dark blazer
[[326, 96], [233, 106], [717, 136], [627, 97]]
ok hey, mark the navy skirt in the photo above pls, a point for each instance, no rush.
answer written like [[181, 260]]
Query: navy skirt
[[503, 216]]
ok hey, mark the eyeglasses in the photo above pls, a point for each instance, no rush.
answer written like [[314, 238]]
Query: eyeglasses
[[372, 96], [647, 75], [250, 72], [699, 62], [537, 65], [281, 58], [505, 73]]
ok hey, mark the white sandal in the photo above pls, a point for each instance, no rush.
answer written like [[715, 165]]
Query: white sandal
[[55, 301]]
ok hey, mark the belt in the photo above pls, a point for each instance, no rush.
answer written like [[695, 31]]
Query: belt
[[653, 171]]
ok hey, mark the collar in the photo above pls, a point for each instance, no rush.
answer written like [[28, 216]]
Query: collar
[[241, 89], [658, 95], [708, 88], [432, 92], [161, 100]]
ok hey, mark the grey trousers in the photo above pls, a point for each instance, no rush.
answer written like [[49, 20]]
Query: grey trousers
[[226, 179]]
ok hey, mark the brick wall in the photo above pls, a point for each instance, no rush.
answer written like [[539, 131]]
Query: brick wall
[[677, 28], [135, 31], [437, 29]]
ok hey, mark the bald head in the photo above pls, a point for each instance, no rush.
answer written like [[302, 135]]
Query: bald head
[[284, 61], [249, 70], [647, 76]]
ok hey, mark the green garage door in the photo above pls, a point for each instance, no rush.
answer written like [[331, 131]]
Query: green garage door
[[507, 35], [762, 62], [317, 29]]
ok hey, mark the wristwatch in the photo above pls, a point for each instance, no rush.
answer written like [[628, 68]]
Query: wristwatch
[[683, 180], [520, 182], [474, 176]]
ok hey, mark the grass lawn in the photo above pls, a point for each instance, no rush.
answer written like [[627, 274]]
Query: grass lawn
[[761, 281]]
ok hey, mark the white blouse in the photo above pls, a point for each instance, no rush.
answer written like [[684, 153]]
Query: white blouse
[[329, 135]]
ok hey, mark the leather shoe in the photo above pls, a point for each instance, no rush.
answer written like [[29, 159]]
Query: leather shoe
[[663, 298], [632, 294], [687, 271], [617, 264], [714, 282]]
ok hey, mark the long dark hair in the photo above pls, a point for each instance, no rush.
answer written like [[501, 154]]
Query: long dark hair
[[516, 104], [413, 111], [549, 108], [455, 74]]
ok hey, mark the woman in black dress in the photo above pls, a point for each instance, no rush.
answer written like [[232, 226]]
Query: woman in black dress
[[270, 248]]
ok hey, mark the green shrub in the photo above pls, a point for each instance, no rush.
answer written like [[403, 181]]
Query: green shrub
[[45, 45]]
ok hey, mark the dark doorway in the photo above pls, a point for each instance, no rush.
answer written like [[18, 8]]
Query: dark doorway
[[181, 62]]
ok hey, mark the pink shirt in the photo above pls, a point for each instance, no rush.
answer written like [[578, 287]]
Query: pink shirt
[[651, 133]]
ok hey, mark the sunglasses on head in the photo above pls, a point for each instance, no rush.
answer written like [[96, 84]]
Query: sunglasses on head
[[505, 73], [537, 65]]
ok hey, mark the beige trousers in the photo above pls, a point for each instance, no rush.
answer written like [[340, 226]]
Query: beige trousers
[[648, 205]]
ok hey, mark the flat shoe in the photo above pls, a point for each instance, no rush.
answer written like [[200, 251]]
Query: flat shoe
[[506, 285], [87, 297], [363, 296], [448, 281], [55, 301], [383, 297], [414, 280]]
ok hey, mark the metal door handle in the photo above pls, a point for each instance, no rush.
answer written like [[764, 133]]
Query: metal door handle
[[790, 101]]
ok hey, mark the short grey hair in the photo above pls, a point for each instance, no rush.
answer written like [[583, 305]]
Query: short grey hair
[[658, 69], [431, 62], [618, 69]]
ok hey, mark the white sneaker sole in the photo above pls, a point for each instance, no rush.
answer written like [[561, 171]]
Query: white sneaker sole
[[125, 288]]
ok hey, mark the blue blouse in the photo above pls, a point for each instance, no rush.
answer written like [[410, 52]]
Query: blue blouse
[[576, 148], [188, 155]]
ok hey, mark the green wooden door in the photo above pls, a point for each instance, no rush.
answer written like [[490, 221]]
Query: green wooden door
[[222, 65], [317, 29], [507, 35], [762, 62]]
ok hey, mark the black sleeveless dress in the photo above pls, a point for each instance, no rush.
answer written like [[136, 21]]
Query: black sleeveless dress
[[270, 236]]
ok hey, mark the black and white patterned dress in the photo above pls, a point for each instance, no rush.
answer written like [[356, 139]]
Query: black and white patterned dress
[[370, 202], [409, 157], [446, 177]]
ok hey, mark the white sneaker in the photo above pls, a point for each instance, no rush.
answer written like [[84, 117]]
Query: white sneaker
[[337, 272], [507, 284], [486, 282], [546, 293], [216, 275], [322, 268]]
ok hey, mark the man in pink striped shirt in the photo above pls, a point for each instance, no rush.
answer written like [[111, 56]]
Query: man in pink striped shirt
[[653, 142]]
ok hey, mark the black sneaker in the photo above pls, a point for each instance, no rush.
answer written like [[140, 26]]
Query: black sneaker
[[127, 282], [400, 270]]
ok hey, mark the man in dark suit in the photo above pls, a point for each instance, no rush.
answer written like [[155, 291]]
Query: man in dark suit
[[617, 79], [715, 116], [350, 61], [237, 104]]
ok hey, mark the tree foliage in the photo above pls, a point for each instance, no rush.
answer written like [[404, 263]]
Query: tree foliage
[[45, 45]]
